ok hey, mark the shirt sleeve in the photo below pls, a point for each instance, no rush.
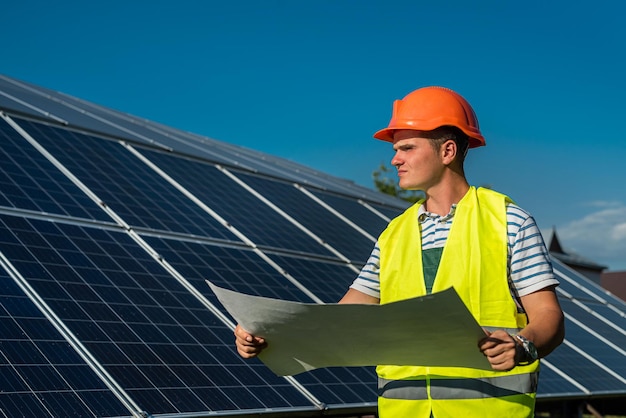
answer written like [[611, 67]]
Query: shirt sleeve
[[368, 280], [530, 266]]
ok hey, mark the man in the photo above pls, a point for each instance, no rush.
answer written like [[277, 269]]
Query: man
[[476, 240]]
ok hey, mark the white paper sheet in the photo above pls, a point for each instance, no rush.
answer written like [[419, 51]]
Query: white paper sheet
[[432, 330]]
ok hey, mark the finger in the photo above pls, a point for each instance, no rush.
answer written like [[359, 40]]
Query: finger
[[497, 349], [492, 343], [249, 341], [241, 333], [501, 357], [502, 367], [496, 338], [486, 344], [501, 363], [246, 353], [244, 336], [250, 350]]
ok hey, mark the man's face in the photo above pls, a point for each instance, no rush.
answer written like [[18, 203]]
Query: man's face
[[419, 165]]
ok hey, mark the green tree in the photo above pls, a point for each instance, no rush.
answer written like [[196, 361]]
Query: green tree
[[386, 182]]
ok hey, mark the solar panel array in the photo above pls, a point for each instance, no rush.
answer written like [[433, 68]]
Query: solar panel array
[[109, 226]]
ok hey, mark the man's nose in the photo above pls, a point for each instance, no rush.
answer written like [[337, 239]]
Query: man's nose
[[396, 161]]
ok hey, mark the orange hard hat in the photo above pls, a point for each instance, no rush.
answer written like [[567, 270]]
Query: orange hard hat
[[429, 108]]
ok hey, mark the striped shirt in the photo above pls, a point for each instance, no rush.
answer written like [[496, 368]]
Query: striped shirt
[[528, 263]]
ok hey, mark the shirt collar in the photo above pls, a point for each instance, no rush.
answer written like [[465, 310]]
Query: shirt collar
[[423, 215]]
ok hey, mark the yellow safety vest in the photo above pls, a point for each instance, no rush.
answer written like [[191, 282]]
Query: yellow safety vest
[[474, 262]]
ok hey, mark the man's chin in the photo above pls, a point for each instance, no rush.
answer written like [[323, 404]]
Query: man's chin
[[407, 187]]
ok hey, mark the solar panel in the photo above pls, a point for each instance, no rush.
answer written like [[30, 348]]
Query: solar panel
[[584, 371], [346, 239], [165, 348], [24, 98], [597, 337], [115, 222], [244, 271], [553, 383], [237, 269], [591, 360], [137, 129], [41, 374], [596, 327], [371, 222], [29, 181], [259, 222], [575, 285], [387, 211], [125, 184]]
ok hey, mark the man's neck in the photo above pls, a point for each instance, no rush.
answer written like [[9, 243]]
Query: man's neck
[[440, 199]]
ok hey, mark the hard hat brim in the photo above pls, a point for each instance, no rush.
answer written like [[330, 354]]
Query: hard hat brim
[[385, 134]]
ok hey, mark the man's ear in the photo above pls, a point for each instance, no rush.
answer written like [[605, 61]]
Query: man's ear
[[448, 151]]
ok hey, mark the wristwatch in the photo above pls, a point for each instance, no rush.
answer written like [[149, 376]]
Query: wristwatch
[[527, 352]]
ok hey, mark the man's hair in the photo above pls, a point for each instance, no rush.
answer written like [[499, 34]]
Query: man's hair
[[444, 133]]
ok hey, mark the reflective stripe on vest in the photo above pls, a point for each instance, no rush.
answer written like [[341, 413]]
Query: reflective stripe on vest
[[402, 389], [488, 387], [511, 331]]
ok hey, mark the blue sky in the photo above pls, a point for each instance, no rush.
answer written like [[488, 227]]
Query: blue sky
[[312, 80]]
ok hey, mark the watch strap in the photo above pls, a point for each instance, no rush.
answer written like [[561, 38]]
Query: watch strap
[[526, 352]]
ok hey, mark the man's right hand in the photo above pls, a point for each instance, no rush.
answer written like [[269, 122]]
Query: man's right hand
[[248, 346]]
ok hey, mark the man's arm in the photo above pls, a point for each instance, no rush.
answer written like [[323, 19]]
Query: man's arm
[[355, 296], [545, 329]]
